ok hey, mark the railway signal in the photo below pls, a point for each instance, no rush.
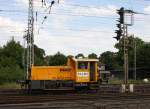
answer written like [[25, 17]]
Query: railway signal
[[118, 35], [119, 32], [123, 32], [120, 24], [121, 13]]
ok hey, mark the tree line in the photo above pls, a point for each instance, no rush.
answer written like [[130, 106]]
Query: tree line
[[12, 56]]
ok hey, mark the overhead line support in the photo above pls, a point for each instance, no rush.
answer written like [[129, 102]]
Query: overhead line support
[[30, 38]]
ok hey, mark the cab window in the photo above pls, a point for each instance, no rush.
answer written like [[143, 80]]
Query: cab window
[[82, 65]]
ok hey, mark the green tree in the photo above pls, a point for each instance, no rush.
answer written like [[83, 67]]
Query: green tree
[[57, 59], [131, 43], [143, 56], [92, 56], [13, 50], [110, 59], [11, 62], [80, 55], [39, 56], [11, 68]]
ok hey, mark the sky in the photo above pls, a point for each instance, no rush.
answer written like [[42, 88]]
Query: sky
[[73, 26]]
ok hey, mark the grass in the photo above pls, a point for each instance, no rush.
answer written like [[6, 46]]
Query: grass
[[10, 86], [130, 81], [115, 81]]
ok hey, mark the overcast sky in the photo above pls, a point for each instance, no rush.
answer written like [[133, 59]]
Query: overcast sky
[[74, 26]]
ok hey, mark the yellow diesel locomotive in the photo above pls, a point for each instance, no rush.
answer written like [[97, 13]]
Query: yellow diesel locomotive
[[78, 73]]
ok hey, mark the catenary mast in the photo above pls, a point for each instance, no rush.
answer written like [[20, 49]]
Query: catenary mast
[[30, 38]]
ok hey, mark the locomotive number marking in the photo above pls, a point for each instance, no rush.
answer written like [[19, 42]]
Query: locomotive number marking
[[65, 69], [82, 74]]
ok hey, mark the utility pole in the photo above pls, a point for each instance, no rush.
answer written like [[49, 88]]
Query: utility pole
[[123, 32], [30, 39], [125, 38], [134, 58], [24, 55], [126, 43]]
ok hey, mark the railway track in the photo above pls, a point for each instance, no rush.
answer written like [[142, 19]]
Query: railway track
[[73, 101], [104, 88], [12, 99], [106, 98]]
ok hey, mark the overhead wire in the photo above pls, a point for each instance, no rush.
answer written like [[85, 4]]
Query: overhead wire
[[87, 29], [65, 13], [75, 5], [71, 29], [68, 14]]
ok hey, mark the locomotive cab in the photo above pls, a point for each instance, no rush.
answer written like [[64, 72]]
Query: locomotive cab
[[86, 72]]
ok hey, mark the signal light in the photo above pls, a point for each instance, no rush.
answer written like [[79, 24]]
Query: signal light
[[117, 38], [119, 34], [121, 14], [119, 26], [52, 2], [120, 23]]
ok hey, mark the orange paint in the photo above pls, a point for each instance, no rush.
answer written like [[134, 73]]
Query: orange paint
[[69, 72]]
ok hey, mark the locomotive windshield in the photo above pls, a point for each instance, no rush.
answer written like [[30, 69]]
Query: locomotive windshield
[[82, 65]]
